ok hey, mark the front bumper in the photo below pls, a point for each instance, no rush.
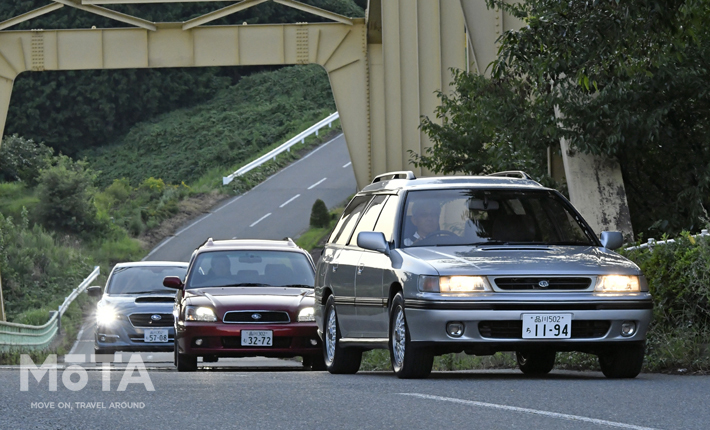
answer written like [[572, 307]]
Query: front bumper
[[497, 326], [224, 340], [122, 336]]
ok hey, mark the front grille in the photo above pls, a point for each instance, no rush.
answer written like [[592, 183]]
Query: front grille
[[145, 320], [581, 329], [256, 317], [533, 283], [157, 299], [236, 342]]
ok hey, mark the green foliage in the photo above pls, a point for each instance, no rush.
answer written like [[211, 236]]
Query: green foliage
[[37, 268], [14, 196], [22, 159], [630, 80], [66, 195], [240, 121], [319, 214]]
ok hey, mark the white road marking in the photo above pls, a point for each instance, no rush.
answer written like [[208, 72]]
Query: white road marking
[[349, 163], [529, 411], [165, 242], [290, 200], [78, 339], [317, 183], [260, 220]]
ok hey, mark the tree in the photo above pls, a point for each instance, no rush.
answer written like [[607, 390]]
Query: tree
[[630, 79], [22, 159], [66, 201]]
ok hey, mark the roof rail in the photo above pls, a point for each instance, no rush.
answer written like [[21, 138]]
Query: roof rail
[[290, 241], [402, 174], [511, 174]]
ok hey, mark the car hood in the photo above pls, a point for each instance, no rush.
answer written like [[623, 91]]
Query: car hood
[[528, 260], [250, 298], [132, 303]]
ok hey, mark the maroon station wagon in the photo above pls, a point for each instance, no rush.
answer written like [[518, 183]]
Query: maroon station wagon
[[245, 298]]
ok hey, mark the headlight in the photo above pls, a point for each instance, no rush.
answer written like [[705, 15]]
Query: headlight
[[199, 313], [454, 284], [105, 315], [618, 284], [306, 315]]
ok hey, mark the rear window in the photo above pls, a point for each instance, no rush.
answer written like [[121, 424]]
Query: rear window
[[251, 268]]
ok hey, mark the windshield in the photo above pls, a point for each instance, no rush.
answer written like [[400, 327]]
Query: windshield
[[143, 279], [479, 217], [251, 268]]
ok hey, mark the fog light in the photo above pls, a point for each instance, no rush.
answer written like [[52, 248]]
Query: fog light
[[454, 329], [198, 342], [314, 342], [628, 328], [102, 338]]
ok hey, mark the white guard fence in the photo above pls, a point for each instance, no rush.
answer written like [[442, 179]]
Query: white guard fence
[[299, 138], [653, 242], [22, 336]]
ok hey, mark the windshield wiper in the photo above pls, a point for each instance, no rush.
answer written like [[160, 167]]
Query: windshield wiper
[[296, 286], [167, 292], [243, 284]]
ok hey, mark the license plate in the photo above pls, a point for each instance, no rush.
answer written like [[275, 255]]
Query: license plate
[[547, 326], [257, 337], [155, 336]]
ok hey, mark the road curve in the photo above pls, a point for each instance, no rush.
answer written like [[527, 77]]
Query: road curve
[[277, 208]]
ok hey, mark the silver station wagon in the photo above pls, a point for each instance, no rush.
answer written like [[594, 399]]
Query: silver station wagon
[[478, 264]]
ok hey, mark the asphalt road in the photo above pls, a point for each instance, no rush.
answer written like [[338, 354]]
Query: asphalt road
[[277, 208], [285, 398]]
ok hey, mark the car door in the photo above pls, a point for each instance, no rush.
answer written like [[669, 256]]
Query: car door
[[340, 262], [370, 290]]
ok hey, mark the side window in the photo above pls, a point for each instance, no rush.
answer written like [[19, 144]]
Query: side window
[[368, 219], [388, 216], [341, 232]]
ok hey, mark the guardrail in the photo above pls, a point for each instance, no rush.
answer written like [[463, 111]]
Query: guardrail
[[24, 336], [301, 137], [653, 242]]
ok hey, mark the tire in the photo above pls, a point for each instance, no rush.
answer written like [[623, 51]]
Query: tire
[[336, 359], [185, 362], [536, 363], [623, 361], [314, 362], [407, 361]]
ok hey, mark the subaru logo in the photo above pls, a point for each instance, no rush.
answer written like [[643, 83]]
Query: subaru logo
[[256, 316], [156, 317], [543, 284]]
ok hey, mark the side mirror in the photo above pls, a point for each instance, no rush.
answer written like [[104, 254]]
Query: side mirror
[[612, 239], [373, 240], [172, 282], [94, 291]]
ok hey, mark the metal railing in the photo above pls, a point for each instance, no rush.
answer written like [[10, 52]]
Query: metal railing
[[653, 242], [271, 155], [24, 336]]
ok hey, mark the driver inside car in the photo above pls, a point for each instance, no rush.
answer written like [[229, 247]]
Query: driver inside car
[[425, 219], [221, 266]]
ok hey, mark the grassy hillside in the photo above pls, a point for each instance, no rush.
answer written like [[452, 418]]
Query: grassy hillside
[[183, 145]]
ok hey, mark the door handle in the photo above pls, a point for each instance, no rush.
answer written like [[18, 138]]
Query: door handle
[[360, 268], [335, 268]]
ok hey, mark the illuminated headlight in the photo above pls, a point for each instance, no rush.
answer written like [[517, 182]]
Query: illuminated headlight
[[199, 313], [306, 315], [105, 315], [454, 284], [618, 284]]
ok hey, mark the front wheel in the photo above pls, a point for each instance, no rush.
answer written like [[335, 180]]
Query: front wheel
[[184, 362], [407, 361], [536, 362], [622, 361], [336, 358]]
